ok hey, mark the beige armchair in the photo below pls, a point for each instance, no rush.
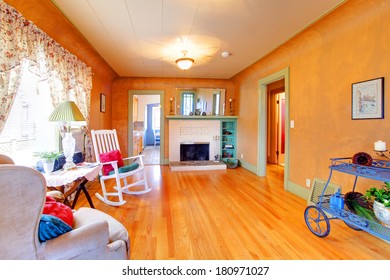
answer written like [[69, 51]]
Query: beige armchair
[[95, 235], [57, 195]]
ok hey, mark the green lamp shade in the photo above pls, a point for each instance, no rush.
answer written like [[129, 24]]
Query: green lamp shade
[[67, 111]]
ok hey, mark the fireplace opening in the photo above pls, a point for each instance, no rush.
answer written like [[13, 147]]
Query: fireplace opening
[[194, 151]]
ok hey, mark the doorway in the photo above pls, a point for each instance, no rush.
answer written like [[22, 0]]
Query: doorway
[[276, 122], [263, 125], [146, 125]]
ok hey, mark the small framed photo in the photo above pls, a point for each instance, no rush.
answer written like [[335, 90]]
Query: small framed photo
[[368, 99], [102, 103]]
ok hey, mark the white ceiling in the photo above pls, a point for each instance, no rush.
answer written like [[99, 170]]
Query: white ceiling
[[143, 38]]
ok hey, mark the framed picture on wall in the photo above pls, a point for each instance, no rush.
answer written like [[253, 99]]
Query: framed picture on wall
[[368, 99], [102, 103]]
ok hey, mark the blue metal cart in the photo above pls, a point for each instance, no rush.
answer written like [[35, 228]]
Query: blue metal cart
[[317, 216]]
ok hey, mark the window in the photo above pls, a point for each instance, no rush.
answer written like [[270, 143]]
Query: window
[[216, 101], [27, 129], [187, 105], [156, 118]]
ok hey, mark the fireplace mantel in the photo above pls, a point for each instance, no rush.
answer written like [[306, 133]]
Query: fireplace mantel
[[179, 117], [206, 129], [193, 129]]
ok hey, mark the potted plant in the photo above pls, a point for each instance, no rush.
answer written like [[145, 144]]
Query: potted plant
[[381, 206], [48, 159]]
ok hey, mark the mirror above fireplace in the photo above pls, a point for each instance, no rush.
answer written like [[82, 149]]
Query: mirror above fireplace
[[200, 101]]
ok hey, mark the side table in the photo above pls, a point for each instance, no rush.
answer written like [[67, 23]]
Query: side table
[[71, 181]]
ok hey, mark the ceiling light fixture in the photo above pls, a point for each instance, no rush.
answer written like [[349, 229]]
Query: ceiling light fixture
[[184, 63], [225, 54]]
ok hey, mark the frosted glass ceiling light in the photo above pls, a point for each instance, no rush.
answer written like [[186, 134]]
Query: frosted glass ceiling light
[[225, 54], [184, 63]]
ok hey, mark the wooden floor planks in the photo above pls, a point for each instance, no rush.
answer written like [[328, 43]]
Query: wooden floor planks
[[229, 215]]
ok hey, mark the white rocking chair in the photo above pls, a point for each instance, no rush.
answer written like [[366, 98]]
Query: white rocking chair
[[105, 141]]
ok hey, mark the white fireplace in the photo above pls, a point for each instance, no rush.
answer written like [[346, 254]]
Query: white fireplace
[[193, 151], [194, 131]]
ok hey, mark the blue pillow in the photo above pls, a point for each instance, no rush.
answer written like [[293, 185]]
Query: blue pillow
[[51, 227], [126, 168]]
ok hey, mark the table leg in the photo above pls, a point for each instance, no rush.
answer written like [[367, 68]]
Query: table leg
[[80, 188]]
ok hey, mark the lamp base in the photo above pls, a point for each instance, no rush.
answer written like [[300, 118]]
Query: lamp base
[[69, 165], [68, 145]]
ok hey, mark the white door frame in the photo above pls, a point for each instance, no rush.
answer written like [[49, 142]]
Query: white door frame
[[262, 122]]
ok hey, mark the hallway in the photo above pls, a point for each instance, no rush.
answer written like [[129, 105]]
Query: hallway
[[151, 155]]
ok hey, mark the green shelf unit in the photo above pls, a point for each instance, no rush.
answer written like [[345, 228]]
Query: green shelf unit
[[228, 139]]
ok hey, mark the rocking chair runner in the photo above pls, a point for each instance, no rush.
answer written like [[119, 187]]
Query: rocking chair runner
[[106, 146]]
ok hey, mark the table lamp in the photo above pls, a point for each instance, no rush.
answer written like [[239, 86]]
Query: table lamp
[[67, 111]]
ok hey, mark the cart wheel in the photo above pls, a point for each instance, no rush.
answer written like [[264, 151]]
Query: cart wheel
[[317, 221]]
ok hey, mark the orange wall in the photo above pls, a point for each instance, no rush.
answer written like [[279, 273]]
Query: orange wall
[[50, 20], [168, 85], [349, 45]]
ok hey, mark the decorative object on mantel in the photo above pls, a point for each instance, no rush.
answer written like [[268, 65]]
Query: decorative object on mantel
[[67, 112], [368, 99], [362, 158], [230, 107], [171, 106]]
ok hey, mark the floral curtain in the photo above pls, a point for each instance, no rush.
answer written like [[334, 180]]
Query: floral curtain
[[68, 77]]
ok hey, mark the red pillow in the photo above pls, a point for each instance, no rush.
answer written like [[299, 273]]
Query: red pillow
[[59, 210], [111, 156]]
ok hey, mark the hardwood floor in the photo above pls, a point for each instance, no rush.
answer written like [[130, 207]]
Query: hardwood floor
[[229, 215], [151, 155]]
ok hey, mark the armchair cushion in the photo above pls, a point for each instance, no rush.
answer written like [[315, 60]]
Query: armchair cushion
[[111, 156], [84, 216], [51, 227], [126, 168]]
